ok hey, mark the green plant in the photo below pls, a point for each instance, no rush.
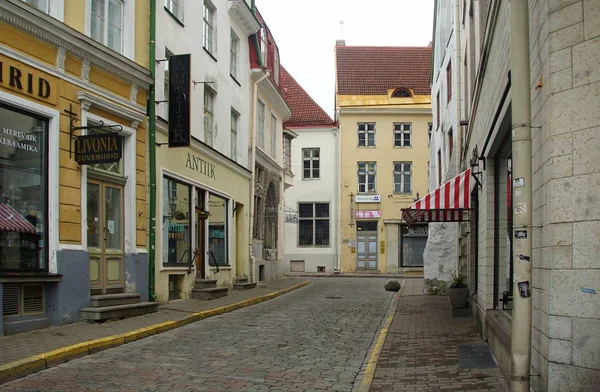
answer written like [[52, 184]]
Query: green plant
[[458, 280], [436, 287]]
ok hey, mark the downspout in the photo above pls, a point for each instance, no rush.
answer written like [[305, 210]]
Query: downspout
[[253, 176], [521, 169], [152, 154], [338, 190], [457, 126]]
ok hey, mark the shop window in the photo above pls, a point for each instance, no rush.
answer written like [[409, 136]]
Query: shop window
[[412, 245], [217, 231], [503, 258], [23, 191], [176, 223]]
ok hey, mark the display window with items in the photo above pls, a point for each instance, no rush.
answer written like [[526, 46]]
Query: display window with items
[[176, 223], [23, 191]]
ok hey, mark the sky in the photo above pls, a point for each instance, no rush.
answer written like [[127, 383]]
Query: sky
[[306, 31]]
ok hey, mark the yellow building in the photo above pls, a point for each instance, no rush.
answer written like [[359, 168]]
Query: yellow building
[[383, 106], [73, 90]]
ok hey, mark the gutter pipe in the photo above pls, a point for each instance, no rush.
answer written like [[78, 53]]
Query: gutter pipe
[[522, 220], [152, 155]]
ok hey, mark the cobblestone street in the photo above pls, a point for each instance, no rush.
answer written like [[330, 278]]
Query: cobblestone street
[[315, 338]]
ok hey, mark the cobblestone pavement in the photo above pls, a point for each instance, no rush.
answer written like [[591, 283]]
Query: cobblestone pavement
[[315, 338], [420, 351]]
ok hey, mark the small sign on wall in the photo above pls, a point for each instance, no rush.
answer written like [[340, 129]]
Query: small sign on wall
[[382, 247]]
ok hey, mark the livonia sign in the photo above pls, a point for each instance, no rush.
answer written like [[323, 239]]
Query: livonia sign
[[103, 148]]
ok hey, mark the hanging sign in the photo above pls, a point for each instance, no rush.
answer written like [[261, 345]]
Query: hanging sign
[[179, 100], [368, 199], [102, 148], [367, 214]]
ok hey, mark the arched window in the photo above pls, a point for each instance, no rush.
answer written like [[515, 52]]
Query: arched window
[[401, 93]]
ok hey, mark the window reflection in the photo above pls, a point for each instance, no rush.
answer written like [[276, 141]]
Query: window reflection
[[217, 230]]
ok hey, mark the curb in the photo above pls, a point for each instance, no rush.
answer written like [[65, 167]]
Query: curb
[[30, 365], [380, 276]]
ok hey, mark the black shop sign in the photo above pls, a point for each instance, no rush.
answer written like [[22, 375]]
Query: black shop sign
[[100, 148], [179, 100]]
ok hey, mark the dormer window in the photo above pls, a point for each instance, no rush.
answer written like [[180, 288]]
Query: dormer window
[[401, 93]]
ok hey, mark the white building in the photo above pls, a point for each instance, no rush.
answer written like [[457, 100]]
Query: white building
[[311, 205]]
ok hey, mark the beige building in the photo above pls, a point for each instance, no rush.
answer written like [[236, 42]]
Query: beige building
[[384, 113]]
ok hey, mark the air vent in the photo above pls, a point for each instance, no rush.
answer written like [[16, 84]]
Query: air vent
[[10, 300], [33, 299], [297, 266]]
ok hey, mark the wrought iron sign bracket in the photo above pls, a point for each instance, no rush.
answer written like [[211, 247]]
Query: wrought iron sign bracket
[[94, 129], [476, 172]]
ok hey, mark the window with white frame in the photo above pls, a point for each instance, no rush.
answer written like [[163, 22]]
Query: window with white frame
[[209, 104], [402, 134], [209, 26], [107, 23], [234, 132], [366, 134], [367, 177], [287, 153], [313, 224], [233, 54], [429, 132], [402, 177], [260, 124], [273, 136], [42, 5], [311, 165], [175, 8]]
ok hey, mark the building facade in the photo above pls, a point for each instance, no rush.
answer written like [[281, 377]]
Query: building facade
[[270, 178], [563, 62], [384, 115], [311, 205], [73, 91], [203, 188]]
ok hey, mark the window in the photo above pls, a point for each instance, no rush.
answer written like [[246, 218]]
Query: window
[[366, 134], [233, 54], [209, 103], [287, 153], [42, 5], [208, 33], [273, 136], [234, 131], [402, 134], [313, 224], [217, 231], [260, 124], [437, 109], [449, 81], [402, 177], [429, 132], [175, 8], [450, 144], [168, 55], [310, 163], [107, 23], [23, 191], [263, 45], [177, 246], [367, 176], [401, 93]]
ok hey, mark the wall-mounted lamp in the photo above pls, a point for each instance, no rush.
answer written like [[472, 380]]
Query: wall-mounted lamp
[[417, 198]]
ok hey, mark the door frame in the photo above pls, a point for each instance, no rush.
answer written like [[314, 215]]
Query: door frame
[[368, 233]]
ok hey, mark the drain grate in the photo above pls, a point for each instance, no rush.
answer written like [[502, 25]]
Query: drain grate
[[475, 356]]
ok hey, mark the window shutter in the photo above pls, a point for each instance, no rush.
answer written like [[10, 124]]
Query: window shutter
[[33, 299], [10, 300]]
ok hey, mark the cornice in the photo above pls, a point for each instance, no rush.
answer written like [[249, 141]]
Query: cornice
[[135, 116], [50, 30], [273, 93], [242, 14], [265, 160], [383, 110]]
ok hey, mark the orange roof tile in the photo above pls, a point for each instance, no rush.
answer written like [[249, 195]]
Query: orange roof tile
[[372, 70]]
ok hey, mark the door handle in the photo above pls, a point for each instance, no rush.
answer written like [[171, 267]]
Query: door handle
[[106, 233]]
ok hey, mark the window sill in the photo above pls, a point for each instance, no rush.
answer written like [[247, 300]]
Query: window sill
[[221, 268], [235, 80], [175, 267], [174, 17], [26, 277], [210, 54], [501, 323], [366, 146], [314, 246], [402, 146], [311, 179]]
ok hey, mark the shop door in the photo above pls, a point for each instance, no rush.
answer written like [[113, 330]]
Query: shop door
[[366, 250], [105, 237]]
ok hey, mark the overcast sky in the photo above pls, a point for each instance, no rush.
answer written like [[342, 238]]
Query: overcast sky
[[306, 31]]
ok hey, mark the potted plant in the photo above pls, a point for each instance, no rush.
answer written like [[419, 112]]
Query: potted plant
[[458, 291]]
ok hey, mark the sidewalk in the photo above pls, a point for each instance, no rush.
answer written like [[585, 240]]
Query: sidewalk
[[420, 351], [171, 315]]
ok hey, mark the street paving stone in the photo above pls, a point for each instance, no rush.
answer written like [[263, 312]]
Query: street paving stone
[[302, 341]]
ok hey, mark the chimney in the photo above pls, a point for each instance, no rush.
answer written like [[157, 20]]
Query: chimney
[[340, 42]]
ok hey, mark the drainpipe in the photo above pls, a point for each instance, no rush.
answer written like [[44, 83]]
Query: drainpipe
[[253, 177], [521, 169], [152, 154], [338, 185], [457, 126]]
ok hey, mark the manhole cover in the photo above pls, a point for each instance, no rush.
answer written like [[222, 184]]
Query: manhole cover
[[334, 297], [475, 356]]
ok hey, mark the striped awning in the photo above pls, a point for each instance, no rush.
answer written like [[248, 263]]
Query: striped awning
[[12, 221], [450, 202]]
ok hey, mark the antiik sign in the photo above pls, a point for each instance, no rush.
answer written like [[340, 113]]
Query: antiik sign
[[179, 100]]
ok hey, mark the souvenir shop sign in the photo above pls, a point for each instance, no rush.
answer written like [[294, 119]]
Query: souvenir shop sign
[[101, 148]]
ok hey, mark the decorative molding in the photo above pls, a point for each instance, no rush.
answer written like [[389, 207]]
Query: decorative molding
[[242, 14], [50, 30], [61, 55], [134, 91], [384, 110], [85, 71], [135, 116], [273, 94]]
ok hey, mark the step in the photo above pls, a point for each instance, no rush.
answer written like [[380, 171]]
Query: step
[[244, 285], [118, 311], [241, 280], [205, 283], [100, 301], [209, 293]]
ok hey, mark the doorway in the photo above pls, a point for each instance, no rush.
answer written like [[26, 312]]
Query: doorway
[[366, 245], [105, 237], [200, 251]]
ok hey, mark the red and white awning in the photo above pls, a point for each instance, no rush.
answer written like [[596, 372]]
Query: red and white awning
[[448, 203], [12, 221]]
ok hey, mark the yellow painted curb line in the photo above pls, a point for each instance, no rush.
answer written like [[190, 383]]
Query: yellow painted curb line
[[33, 364]]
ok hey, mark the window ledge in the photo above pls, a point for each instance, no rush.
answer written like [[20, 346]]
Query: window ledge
[[221, 268], [501, 323], [402, 146], [174, 17], [172, 267], [313, 246], [210, 54], [26, 277]]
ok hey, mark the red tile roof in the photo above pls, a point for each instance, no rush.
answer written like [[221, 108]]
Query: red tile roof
[[371, 70], [305, 111]]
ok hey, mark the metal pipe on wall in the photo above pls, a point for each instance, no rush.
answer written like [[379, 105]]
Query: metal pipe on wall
[[521, 175], [152, 155]]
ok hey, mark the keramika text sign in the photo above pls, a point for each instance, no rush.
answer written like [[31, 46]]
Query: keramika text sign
[[92, 149]]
